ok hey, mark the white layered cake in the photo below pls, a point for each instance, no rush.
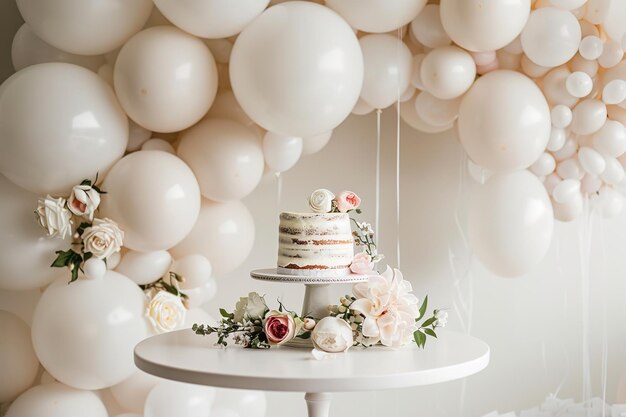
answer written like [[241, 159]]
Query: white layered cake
[[318, 244]]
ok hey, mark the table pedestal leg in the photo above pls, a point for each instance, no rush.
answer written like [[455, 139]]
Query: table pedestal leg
[[318, 403]]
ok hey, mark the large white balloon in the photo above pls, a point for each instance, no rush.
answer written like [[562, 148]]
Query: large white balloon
[[20, 303], [195, 269], [57, 400], [84, 333], [504, 121], [154, 197], [427, 28], [144, 267], [165, 79], [479, 25], [169, 398], [377, 16], [387, 62], [131, 393], [281, 152], [17, 358], [59, 124], [510, 223], [26, 253], [447, 72], [225, 156], [224, 233], [291, 89], [314, 144], [409, 114], [242, 402], [211, 18], [85, 27], [551, 36], [27, 49], [614, 21]]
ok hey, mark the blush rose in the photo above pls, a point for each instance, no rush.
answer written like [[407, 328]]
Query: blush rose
[[346, 201], [279, 327]]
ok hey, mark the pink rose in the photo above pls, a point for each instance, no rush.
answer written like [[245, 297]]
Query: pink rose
[[347, 200], [279, 328], [362, 264]]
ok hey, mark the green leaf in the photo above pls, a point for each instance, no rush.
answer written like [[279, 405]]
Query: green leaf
[[305, 335], [420, 338], [86, 182], [422, 309], [87, 255], [430, 332], [429, 322], [224, 313]]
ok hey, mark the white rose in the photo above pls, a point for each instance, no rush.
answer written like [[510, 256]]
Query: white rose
[[54, 217], [103, 238], [84, 201], [166, 312], [253, 307], [332, 334], [321, 201]]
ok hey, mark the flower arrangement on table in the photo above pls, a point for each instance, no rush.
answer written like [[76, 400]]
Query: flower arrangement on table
[[382, 310]]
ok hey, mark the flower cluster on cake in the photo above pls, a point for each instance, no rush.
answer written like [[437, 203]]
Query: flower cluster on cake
[[381, 310]]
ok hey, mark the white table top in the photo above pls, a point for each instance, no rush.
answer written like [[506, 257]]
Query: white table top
[[186, 357]]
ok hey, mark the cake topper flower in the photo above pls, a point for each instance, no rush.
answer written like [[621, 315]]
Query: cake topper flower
[[324, 201]]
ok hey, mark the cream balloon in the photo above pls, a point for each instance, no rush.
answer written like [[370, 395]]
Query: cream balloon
[[154, 197], [211, 18], [387, 69], [281, 152], [409, 114], [85, 27], [447, 72], [27, 49], [591, 161], [132, 392], [195, 269], [609, 202], [137, 136], [566, 191], [362, 108], [220, 48], [613, 173], [544, 165], [225, 156], [165, 79], [479, 25], [292, 90], [610, 140], [614, 92], [504, 121], [226, 106], [569, 211], [570, 169], [511, 223], [560, 27], [436, 112], [17, 358], [144, 267], [196, 297], [558, 136], [224, 233], [169, 398], [243, 402], [377, 16], [588, 117], [57, 400], [158, 145], [20, 303], [427, 28], [314, 144], [614, 21], [561, 116], [54, 113], [554, 87]]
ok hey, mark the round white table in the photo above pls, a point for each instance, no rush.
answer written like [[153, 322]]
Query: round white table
[[186, 357]]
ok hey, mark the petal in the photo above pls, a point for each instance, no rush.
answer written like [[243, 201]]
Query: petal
[[362, 305], [370, 327]]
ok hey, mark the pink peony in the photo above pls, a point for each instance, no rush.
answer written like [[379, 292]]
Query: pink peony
[[362, 264], [347, 200], [279, 328]]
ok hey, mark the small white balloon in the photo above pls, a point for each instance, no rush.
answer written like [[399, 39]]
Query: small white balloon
[[196, 297], [435, 111], [543, 166], [597, 10], [609, 202], [591, 47], [560, 27], [613, 173], [478, 173], [131, 393], [408, 113], [531, 69], [408, 94], [567, 151], [590, 184], [484, 58], [579, 84], [281, 152], [591, 161], [612, 54], [362, 108], [550, 182], [589, 67], [569, 211], [570, 169], [145, 267], [610, 140], [588, 117], [614, 92], [561, 117], [554, 87], [157, 144], [57, 400], [416, 74], [314, 144], [195, 269], [226, 106], [427, 28], [568, 4], [566, 191], [447, 72], [94, 268], [17, 358]]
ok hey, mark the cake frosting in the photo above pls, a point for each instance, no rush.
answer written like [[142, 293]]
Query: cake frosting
[[315, 244]]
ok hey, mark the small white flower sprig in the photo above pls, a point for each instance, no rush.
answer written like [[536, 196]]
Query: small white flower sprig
[[93, 237]]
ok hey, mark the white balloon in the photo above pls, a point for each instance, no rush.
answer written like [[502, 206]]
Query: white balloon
[[132, 392], [569, 211], [195, 269], [292, 90], [26, 253], [362, 108], [436, 112], [169, 398], [531, 69], [566, 191], [387, 69], [560, 27], [94, 268], [129, 415], [281, 152], [211, 18], [590, 184], [478, 173], [578, 63], [224, 233], [20, 303], [612, 54], [447, 72], [614, 92], [597, 11], [544, 165], [504, 121], [550, 182], [610, 140], [568, 150], [579, 84], [158, 145], [243, 402], [568, 4], [416, 72], [225, 156], [154, 197], [614, 20], [591, 161], [590, 47], [554, 87], [427, 28], [588, 117], [510, 223], [226, 106], [377, 16], [85, 27], [561, 116], [54, 113], [17, 358], [314, 144], [114, 260], [609, 202], [144, 267], [408, 94], [484, 58], [484, 26], [613, 173], [196, 297], [57, 400], [137, 136], [408, 113], [220, 48], [28, 49], [570, 169]]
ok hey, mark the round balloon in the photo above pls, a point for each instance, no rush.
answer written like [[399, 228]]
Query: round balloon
[[57, 400], [479, 25], [169, 398], [165, 79], [144, 267], [131, 393], [84, 333], [195, 269], [447, 72], [211, 18], [510, 223], [154, 197], [224, 233], [289, 89], [504, 121], [85, 27], [377, 16], [20, 303], [314, 144], [225, 156], [560, 27], [241, 402], [226, 106], [281, 152], [409, 114], [17, 358], [53, 114], [26, 253]]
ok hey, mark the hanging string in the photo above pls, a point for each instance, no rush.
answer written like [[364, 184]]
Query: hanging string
[[605, 337], [377, 218], [584, 241], [398, 156], [279, 190]]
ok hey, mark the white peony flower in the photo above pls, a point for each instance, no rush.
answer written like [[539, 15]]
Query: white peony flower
[[166, 312], [251, 307], [84, 201], [389, 307], [442, 318], [103, 238], [54, 217], [332, 334], [321, 201]]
